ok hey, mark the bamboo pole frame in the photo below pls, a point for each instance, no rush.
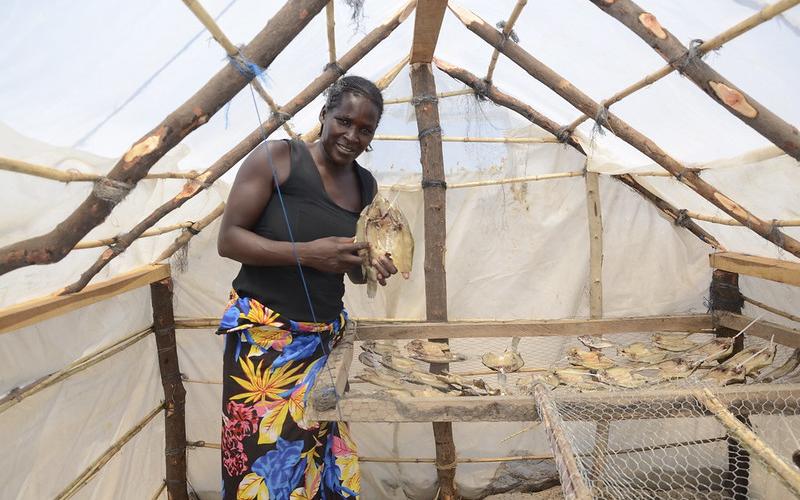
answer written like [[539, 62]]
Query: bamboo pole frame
[[86, 244], [771, 309], [439, 95], [624, 131], [137, 161], [734, 100], [330, 19], [509, 25], [426, 110], [488, 182], [233, 52], [83, 479], [67, 176], [748, 439], [505, 100], [190, 232], [500, 140], [714, 43], [18, 394], [733, 222], [228, 160]]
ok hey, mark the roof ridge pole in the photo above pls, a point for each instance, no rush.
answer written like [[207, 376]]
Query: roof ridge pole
[[253, 139], [508, 26], [691, 65], [137, 161], [715, 43], [233, 51], [621, 129], [433, 187], [501, 99]]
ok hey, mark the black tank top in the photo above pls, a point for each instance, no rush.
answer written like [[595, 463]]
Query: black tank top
[[312, 215]]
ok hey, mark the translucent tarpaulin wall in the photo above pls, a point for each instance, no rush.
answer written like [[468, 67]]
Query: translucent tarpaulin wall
[[514, 251]]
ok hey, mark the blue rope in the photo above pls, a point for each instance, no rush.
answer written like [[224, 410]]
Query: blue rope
[[147, 82]]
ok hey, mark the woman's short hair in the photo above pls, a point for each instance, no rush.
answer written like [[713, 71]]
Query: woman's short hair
[[354, 85]]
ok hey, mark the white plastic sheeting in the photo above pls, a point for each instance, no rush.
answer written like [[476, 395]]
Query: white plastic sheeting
[[73, 96]]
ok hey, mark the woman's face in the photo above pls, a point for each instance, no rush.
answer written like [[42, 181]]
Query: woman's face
[[348, 128]]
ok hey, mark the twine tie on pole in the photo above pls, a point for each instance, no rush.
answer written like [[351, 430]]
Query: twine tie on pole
[[111, 190], [431, 130], [450, 466], [246, 67], [600, 121], [416, 101], [683, 218], [192, 230], [281, 117], [426, 183], [563, 134], [775, 235], [335, 67], [691, 56]]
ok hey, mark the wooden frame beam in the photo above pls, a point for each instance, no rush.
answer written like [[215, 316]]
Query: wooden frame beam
[[621, 129], [762, 329], [725, 93], [532, 328], [137, 161], [42, 308], [778, 270], [427, 24], [595, 222]]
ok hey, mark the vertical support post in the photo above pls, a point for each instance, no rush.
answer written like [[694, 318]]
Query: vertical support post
[[725, 296], [433, 186], [174, 392], [595, 245]]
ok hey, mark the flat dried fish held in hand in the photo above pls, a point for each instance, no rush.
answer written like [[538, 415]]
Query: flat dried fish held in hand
[[386, 230]]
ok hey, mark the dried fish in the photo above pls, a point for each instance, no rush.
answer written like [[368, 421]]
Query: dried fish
[[596, 341], [508, 361], [622, 377], [757, 359], [673, 343], [577, 378], [370, 359], [374, 377], [669, 336], [641, 353], [670, 369], [785, 369], [713, 350], [428, 379], [386, 230], [415, 393], [594, 360], [724, 375], [380, 348], [397, 363], [432, 352]]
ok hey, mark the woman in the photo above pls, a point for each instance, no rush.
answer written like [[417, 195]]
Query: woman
[[290, 220]]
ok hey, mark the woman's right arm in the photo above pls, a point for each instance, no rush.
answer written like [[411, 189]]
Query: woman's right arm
[[249, 195]]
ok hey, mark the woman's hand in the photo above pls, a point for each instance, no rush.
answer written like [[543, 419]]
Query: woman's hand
[[332, 254], [385, 268]]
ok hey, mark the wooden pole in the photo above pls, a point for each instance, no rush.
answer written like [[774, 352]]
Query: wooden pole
[[190, 232], [174, 392], [433, 184], [725, 296], [624, 131], [439, 95], [595, 218], [137, 161], [749, 439], [211, 25], [331, 30], [771, 309], [714, 43], [509, 25], [54, 174], [501, 99], [229, 159], [500, 140], [733, 99]]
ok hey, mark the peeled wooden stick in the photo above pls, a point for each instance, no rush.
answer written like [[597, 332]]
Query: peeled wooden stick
[[751, 22], [229, 159], [512, 19], [624, 131], [137, 161], [771, 309], [750, 440], [734, 100], [23, 167], [149, 233], [331, 24], [233, 51], [439, 95], [502, 140]]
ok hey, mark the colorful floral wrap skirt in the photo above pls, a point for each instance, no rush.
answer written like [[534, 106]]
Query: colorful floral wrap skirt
[[270, 450]]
